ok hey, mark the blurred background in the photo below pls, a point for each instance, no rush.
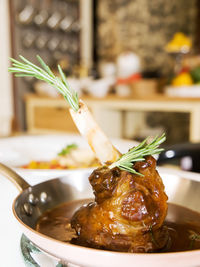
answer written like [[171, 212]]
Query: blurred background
[[135, 63]]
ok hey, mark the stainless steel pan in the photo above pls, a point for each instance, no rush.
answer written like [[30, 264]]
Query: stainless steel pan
[[33, 201]]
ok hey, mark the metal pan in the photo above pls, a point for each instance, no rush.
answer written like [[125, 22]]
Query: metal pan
[[33, 201]]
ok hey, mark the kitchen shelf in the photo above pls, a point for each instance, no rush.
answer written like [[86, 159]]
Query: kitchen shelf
[[155, 103]]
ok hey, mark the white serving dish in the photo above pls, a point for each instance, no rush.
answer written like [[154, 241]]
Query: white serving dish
[[20, 150]]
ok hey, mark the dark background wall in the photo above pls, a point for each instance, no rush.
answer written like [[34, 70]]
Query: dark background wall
[[143, 27]]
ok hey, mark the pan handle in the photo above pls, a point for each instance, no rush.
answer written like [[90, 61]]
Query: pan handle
[[15, 178]]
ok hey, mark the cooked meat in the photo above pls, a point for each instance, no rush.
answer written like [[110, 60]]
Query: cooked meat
[[128, 211]]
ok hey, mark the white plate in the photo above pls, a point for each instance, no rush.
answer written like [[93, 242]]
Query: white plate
[[20, 150]]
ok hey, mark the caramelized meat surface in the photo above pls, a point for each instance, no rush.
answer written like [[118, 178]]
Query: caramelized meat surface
[[128, 211]]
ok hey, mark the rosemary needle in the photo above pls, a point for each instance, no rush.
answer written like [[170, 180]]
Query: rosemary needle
[[126, 161], [26, 68]]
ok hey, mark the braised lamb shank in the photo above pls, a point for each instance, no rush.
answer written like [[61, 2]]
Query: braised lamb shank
[[128, 211]]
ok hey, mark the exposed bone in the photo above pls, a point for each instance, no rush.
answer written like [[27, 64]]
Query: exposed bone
[[98, 141]]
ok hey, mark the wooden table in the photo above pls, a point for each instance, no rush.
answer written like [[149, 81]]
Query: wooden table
[[154, 103]]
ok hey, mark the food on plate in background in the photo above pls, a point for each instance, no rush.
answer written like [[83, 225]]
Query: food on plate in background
[[76, 157], [70, 157]]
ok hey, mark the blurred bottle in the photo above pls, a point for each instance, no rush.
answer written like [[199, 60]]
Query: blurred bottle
[[128, 70]]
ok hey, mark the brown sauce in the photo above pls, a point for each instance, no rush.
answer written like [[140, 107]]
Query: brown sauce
[[183, 225]]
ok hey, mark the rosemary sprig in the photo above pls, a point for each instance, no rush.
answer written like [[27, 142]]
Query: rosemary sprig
[[26, 68], [126, 161]]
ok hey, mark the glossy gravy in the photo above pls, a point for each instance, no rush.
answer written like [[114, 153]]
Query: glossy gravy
[[183, 225]]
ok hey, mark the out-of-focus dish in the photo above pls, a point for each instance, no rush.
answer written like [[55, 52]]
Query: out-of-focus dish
[[20, 151]]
